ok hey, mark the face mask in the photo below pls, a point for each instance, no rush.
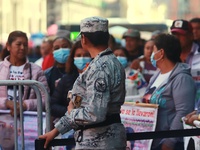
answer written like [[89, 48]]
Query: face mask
[[61, 55], [123, 61], [80, 62], [153, 61]]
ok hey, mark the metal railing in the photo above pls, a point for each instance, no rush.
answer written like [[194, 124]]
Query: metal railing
[[39, 143], [38, 88]]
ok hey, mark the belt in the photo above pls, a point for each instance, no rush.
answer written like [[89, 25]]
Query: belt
[[111, 119]]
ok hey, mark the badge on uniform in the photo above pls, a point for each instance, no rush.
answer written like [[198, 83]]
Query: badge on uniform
[[100, 84], [77, 101]]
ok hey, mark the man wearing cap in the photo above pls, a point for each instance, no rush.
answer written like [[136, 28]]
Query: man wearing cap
[[97, 95], [132, 38], [182, 29], [190, 54]]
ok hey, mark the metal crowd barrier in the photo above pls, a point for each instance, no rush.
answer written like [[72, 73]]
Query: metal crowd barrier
[[38, 88], [39, 143]]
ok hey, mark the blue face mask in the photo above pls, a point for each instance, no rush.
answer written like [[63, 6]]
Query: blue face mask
[[153, 61], [123, 61], [61, 55], [80, 62]]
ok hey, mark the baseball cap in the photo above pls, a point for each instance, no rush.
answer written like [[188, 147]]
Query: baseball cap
[[181, 26], [94, 24], [63, 33], [131, 33]]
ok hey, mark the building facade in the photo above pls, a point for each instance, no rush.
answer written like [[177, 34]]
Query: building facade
[[26, 15]]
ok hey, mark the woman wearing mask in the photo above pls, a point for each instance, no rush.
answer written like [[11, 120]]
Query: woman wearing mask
[[61, 51], [77, 61], [135, 82], [122, 55], [144, 63], [172, 88], [15, 66]]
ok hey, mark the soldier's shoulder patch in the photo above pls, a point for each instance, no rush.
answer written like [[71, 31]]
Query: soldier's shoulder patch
[[100, 84]]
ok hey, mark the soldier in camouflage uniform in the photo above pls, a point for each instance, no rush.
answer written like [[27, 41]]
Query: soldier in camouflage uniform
[[97, 95]]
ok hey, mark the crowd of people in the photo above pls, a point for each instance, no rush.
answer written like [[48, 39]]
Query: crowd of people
[[99, 73]]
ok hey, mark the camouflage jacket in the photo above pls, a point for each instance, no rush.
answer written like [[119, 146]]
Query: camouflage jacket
[[99, 91]]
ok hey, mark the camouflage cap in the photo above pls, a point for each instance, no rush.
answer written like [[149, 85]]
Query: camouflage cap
[[93, 24]]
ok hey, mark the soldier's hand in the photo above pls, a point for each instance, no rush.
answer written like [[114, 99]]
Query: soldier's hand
[[70, 107], [49, 136]]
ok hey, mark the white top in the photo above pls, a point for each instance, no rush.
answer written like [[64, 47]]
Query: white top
[[160, 79], [16, 73]]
